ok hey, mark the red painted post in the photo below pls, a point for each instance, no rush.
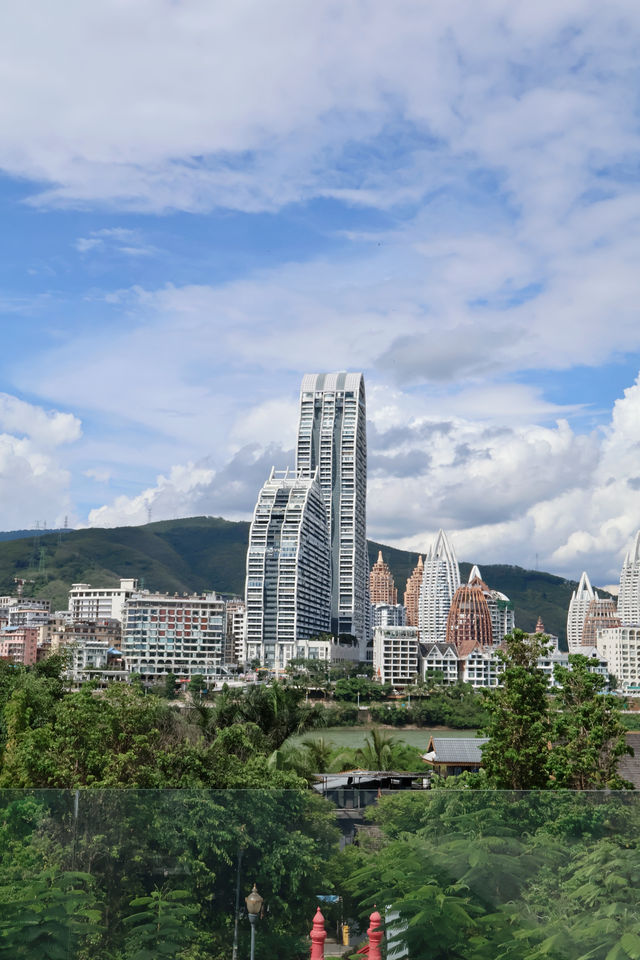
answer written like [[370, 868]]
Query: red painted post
[[375, 935], [318, 937]]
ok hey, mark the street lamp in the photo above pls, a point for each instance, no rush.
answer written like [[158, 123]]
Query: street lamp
[[254, 905]]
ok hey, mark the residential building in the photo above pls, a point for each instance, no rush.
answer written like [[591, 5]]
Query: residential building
[[382, 589], [578, 608], [388, 615], [19, 645], [451, 756], [440, 580], [92, 645], [601, 614], [412, 594], [182, 635], [438, 660], [29, 613], [235, 634], [469, 622], [332, 447], [100, 603], [620, 647], [395, 655], [288, 586], [629, 596], [481, 667]]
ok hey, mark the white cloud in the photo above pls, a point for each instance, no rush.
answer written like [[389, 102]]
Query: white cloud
[[34, 483]]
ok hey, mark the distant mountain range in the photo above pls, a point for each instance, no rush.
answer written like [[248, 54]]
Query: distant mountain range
[[208, 553]]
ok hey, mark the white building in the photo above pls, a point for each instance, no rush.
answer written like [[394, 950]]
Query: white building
[[94, 603], [388, 615], [92, 645], [395, 655], [440, 580], [29, 613], [288, 586], [332, 439], [181, 635], [482, 668], [439, 658], [620, 647], [578, 606], [629, 596]]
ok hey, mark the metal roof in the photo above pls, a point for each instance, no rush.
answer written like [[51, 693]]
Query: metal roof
[[454, 750]]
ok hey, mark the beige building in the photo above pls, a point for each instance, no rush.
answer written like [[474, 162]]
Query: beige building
[[395, 655]]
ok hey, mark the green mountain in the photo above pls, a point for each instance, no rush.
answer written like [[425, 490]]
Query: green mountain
[[208, 553]]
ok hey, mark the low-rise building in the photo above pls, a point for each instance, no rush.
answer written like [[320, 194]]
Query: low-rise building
[[620, 647], [100, 603], [19, 645], [438, 660], [236, 613], [395, 655]]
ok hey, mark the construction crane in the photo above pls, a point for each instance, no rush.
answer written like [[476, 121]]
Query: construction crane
[[20, 581]]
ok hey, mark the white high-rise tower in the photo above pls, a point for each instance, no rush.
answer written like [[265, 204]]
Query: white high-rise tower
[[578, 607], [288, 593], [332, 438], [629, 597], [440, 580]]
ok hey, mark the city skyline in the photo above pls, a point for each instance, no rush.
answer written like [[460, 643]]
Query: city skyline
[[449, 204]]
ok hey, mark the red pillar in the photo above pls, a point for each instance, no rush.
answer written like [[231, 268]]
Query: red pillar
[[375, 936], [318, 937]]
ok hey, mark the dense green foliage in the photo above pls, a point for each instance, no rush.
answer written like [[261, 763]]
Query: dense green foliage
[[127, 875], [458, 706], [573, 739], [209, 553], [473, 875]]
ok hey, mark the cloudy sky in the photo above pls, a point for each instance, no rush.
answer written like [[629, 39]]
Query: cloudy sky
[[201, 201]]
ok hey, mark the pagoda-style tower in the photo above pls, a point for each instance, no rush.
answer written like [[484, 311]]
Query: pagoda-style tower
[[469, 621], [412, 594], [382, 589]]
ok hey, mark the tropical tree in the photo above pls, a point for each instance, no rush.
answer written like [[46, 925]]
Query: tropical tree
[[587, 732], [519, 726]]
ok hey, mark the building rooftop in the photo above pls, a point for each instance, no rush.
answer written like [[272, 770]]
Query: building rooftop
[[454, 750]]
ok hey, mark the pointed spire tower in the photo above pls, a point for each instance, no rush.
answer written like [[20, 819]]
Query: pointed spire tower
[[578, 607], [629, 597], [440, 580], [412, 594], [382, 588]]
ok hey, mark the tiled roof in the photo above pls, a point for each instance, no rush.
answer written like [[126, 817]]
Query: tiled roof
[[454, 750]]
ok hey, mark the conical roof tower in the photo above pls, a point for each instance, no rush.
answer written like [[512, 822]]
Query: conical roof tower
[[440, 580], [578, 607]]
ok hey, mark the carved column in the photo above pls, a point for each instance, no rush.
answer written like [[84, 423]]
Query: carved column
[[318, 937], [375, 936]]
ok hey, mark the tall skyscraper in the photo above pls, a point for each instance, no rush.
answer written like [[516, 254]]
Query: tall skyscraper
[[629, 597], [440, 580], [382, 589], [578, 607], [412, 594], [332, 439], [288, 586]]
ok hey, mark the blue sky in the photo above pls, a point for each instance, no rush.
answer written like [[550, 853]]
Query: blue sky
[[201, 202]]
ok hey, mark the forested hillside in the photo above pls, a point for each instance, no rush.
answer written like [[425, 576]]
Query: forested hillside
[[208, 553]]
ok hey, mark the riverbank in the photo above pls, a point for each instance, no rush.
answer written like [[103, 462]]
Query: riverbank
[[351, 738]]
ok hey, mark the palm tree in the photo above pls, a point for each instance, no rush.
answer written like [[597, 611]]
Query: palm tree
[[319, 751], [378, 751]]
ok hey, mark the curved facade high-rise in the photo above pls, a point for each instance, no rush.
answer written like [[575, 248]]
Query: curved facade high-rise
[[578, 607], [440, 580], [629, 596], [469, 622], [288, 585], [332, 439]]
